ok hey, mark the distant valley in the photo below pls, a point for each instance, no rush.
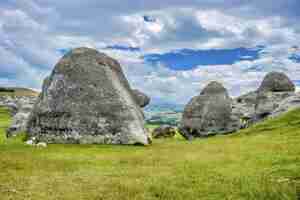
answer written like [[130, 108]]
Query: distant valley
[[163, 113]]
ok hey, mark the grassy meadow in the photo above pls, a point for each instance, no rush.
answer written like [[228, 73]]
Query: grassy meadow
[[259, 163]]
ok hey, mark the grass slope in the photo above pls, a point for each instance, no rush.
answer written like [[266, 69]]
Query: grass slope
[[262, 162], [19, 92]]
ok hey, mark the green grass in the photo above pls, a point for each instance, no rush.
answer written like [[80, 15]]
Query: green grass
[[262, 163], [151, 127]]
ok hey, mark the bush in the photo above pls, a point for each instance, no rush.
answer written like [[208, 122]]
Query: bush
[[2, 89]]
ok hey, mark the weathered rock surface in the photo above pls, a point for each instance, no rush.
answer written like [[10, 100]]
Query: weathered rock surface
[[87, 99], [20, 119], [10, 103], [244, 106], [18, 125], [142, 99], [209, 113], [258, 105], [276, 82], [164, 131], [268, 102], [287, 104], [274, 89], [20, 108]]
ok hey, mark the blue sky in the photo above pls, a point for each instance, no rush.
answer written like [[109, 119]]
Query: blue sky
[[170, 49], [186, 59]]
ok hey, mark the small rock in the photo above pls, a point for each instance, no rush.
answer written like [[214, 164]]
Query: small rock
[[164, 131], [42, 144], [30, 142]]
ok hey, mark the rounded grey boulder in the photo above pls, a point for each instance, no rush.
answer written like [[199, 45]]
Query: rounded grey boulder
[[276, 82], [87, 99], [210, 113], [142, 99], [275, 88], [214, 88]]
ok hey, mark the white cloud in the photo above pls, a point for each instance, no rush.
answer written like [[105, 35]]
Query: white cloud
[[32, 32]]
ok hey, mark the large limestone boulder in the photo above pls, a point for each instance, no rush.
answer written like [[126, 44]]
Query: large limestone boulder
[[277, 82], [274, 89], [287, 104], [210, 113], [260, 104], [87, 99], [142, 99]]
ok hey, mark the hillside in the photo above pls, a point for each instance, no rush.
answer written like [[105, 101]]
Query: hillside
[[262, 162], [163, 114], [16, 91]]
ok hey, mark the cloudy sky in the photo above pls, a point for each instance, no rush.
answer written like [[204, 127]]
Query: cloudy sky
[[169, 49]]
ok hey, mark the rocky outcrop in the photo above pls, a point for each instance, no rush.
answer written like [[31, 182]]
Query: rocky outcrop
[[20, 108], [244, 106], [142, 99], [10, 103], [268, 102], [287, 104], [275, 88], [213, 112], [87, 99], [20, 119], [210, 113], [276, 82], [258, 105], [164, 131]]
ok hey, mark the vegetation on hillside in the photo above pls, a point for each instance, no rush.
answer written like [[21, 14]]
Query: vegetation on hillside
[[18, 92], [262, 162]]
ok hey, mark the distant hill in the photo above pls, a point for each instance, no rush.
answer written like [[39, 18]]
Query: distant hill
[[164, 107], [163, 113], [17, 91]]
